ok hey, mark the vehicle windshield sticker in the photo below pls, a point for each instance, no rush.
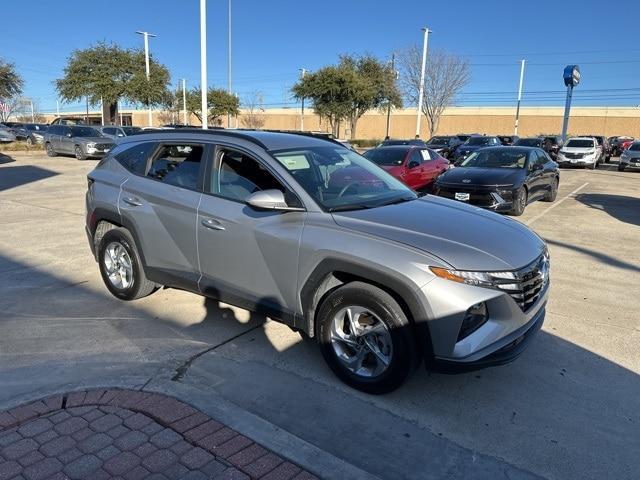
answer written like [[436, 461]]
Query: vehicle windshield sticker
[[425, 154]]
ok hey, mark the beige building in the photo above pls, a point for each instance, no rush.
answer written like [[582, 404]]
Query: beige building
[[488, 120]]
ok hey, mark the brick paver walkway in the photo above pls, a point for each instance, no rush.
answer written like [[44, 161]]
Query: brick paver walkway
[[128, 434]]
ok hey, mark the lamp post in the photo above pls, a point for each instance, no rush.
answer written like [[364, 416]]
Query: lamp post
[[203, 62], [571, 78], [421, 90], [303, 71], [146, 36], [515, 130]]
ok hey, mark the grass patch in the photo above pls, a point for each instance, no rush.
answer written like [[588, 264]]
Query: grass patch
[[20, 146]]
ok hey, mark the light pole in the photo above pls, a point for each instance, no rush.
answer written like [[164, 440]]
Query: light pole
[[395, 76], [146, 36], [421, 91], [571, 77], [203, 62], [229, 63], [184, 101], [515, 130], [303, 71], [33, 119]]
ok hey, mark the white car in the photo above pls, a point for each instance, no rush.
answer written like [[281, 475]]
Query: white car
[[580, 151], [630, 157]]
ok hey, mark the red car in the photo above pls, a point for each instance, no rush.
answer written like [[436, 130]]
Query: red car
[[416, 166], [626, 144]]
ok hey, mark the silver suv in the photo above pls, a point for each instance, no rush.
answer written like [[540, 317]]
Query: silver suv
[[310, 233], [79, 140]]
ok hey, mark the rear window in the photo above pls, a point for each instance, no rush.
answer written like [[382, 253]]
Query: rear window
[[580, 143], [386, 156], [529, 142], [635, 147], [134, 158], [439, 141]]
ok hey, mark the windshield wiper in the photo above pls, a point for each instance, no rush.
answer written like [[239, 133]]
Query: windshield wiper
[[397, 200], [346, 208]]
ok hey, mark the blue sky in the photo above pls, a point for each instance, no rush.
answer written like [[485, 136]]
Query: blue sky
[[273, 39]]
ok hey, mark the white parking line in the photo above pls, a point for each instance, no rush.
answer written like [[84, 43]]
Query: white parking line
[[555, 204]]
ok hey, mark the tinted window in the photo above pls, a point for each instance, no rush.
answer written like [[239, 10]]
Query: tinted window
[[386, 156], [109, 130], [497, 158], [85, 132], [415, 158], [239, 176], [635, 147], [134, 158], [439, 141], [177, 165], [55, 130], [580, 143], [479, 141], [529, 142]]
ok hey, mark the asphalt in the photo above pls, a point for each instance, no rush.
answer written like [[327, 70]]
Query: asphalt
[[567, 408]]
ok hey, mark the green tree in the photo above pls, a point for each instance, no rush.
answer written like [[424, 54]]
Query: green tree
[[219, 103], [109, 73], [11, 82], [347, 90]]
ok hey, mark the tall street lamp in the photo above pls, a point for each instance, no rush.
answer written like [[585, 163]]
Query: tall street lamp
[[203, 62], [421, 90], [146, 36]]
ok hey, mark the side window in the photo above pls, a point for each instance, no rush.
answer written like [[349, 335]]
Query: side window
[[415, 157], [238, 176], [178, 165], [64, 131], [110, 131], [134, 158], [428, 154]]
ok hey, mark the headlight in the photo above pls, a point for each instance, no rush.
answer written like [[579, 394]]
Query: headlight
[[91, 145], [478, 279]]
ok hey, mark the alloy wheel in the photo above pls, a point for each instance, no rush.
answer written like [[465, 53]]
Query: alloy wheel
[[361, 341], [117, 263]]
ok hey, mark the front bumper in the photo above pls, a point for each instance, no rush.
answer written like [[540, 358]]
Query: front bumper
[[96, 152], [575, 162], [488, 198], [630, 162]]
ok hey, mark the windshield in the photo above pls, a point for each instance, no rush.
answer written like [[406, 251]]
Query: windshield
[[580, 144], [85, 132], [340, 179], [463, 138], [386, 156], [439, 141], [131, 130], [528, 142], [35, 126], [499, 158], [478, 141], [635, 147]]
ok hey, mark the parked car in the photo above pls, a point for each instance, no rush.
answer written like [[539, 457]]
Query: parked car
[[472, 144], [507, 140], [444, 144], [383, 279], [6, 135], [625, 145], [552, 145], [416, 167], [630, 157], [19, 130], [35, 133], [605, 147], [537, 142], [617, 145], [178, 125], [115, 131], [502, 179], [68, 121], [81, 141], [580, 151], [412, 141]]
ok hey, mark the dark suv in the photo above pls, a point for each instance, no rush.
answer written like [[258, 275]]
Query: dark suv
[[310, 233]]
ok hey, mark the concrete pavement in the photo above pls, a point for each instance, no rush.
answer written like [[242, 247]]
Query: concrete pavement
[[568, 408]]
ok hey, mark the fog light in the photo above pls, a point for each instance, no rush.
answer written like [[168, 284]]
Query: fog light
[[475, 317]]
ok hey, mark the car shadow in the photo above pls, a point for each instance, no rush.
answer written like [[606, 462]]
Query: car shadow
[[597, 255], [21, 175], [622, 207], [6, 159]]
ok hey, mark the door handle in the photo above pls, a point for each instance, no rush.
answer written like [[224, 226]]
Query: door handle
[[212, 224], [133, 201]]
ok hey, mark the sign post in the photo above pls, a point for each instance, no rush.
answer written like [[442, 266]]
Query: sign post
[[571, 78]]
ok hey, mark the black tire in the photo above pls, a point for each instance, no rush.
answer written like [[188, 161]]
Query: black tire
[[50, 150], [140, 285], [404, 353], [519, 202], [551, 195], [79, 153], [621, 167]]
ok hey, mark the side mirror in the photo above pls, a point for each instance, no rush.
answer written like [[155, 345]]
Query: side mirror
[[270, 200], [413, 164]]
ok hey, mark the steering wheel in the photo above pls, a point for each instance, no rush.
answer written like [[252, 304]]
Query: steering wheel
[[347, 187]]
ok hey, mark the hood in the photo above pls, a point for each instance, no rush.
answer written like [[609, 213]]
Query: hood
[[482, 176], [86, 140], [465, 237], [631, 153]]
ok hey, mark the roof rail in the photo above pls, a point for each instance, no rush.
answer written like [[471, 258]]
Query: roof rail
[[318, 135], [212, 131]]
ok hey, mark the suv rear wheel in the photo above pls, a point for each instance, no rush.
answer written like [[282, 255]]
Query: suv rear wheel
[[120, 266], [366, 338]]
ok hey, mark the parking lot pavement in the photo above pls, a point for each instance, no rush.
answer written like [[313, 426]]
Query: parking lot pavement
[[567, 408]]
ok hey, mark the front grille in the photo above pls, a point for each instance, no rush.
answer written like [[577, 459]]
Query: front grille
[[528, 284], [574, 155], [479, 195], [103, 146]]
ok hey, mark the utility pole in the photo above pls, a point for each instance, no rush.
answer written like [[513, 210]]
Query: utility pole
[[421, 91], [229, 63], [203, 62], [303, 71], [184, 101], [571, 77], [146, 63], [515, 130], [393, 71], [102, 112], [33, 118]]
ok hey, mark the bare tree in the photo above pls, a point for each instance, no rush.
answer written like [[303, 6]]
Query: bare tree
[[445, 76], [11, 107], [254, 118]]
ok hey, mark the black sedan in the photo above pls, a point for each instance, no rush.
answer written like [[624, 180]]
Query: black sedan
[[502, 179]]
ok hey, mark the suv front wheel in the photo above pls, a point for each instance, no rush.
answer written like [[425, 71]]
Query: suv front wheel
[[120, 266], [365, 338]]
